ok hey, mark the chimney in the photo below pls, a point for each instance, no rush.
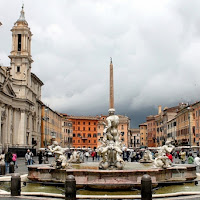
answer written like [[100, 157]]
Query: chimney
[[159, 109]]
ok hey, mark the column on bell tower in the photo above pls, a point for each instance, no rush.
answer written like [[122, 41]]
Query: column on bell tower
[[20, 55]]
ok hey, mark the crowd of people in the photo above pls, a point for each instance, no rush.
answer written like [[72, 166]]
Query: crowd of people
[[8, 158], [177, 157]]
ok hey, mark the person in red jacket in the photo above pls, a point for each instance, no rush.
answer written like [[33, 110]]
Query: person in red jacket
[[170, 157], [93, 154]]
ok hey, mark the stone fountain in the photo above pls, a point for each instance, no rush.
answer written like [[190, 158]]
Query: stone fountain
[[111, 173], [111, 148]]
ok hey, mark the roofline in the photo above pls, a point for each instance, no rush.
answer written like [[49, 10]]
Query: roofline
[[41, 83]]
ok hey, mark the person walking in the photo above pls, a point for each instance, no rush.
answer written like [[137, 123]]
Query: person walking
[[169, 156], [2, 161], [182, 156], [87, 155], [132, 155], [8, 160], [197, 162], [14, 159], [93, 154], [2, 158], [29, 157], [40, 157], [190, 159]]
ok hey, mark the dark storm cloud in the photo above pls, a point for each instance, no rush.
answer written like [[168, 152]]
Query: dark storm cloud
[[154, 44]]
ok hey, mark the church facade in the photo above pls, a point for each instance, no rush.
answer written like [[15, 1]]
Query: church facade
[[20, 94]]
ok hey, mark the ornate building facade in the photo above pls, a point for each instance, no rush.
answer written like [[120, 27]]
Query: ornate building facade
[[20, 94]]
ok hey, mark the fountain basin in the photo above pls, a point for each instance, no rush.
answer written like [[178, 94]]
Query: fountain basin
[[92, 177]]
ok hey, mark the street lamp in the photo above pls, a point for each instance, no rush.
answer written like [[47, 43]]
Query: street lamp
[[46, 119]]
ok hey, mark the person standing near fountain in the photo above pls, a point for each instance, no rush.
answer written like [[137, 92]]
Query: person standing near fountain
[[190, 159], [197, 162], [183, 156], [29, 157]]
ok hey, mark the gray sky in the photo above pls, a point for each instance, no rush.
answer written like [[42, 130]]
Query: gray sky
[[155, 46]]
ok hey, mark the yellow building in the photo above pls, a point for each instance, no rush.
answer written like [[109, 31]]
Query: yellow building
[[185, 126], [51, 127], [143, 135], [196, 107]]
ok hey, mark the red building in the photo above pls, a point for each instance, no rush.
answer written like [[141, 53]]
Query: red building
[[151, 131], [84, 131]]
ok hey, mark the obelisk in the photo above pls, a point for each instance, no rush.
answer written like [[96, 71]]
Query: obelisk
[[111, 86]]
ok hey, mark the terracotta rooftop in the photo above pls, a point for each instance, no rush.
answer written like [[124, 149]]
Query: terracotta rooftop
[[83, 117]]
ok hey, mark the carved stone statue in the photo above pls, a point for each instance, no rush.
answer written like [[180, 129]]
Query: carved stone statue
[[111, 147], [162, 159], [147, 157], [60, 158], [75, 157]]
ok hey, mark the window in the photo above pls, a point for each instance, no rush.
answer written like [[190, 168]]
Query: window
[[99, 134], [78, 135], [19, 42], [94, 123], [89, 141], [78, 141], [94, 135], [84, 128], [89, 123], [94, 129], [89, 129], [89, 135], [83, 123], [74, 135], [174, 123], [94, 141], [78, 128], [78, 123], [18, 68], [122, 127]]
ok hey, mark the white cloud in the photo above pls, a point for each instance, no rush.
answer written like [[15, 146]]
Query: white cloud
[[154, 44]]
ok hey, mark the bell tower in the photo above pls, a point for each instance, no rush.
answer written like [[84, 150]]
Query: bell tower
[[20, 55]]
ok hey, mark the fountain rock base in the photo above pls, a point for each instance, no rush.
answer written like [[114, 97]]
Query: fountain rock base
[[112, 179]]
